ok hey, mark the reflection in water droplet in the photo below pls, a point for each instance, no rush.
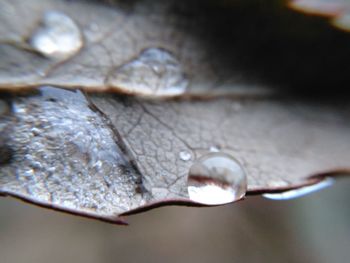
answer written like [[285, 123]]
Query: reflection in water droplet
[[300, 191], [57, 36], [154, 72], [216, 178], [185, 156]]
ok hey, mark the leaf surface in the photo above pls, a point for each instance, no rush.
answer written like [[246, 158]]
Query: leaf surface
[[242, 50], [112, 39], [112, 154], [104, 155]]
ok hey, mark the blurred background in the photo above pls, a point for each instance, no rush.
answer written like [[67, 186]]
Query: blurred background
[[315, 228]]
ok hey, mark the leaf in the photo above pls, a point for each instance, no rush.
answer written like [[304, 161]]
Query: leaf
[[65, 156], [112, 38], [104, 155], [120, 154], [337, 10], [245, 50]]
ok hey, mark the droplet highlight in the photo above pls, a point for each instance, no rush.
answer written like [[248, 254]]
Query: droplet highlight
[[216, 178], [214, 149], [154, 72], [295, 193], [57, 36], [185, 156]]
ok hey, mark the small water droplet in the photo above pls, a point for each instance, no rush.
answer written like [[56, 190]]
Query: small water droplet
[[57, 36], [154, 72], [214, 149], [35, 131], [28, 173], [290, 194], [216, 178], [185, 156]]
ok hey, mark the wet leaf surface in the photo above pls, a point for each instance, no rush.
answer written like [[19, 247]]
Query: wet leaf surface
[[64, 155], [103, 155], [106, 155], [244, 49], [124, 49]]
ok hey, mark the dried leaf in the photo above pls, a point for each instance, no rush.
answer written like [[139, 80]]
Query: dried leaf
[[111, 155], [121, 50], [104, 155], [244, 50]]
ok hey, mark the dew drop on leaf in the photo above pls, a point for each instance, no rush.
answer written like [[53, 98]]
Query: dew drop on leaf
[[154, 72], [57, 36], [214, 149], [216, 178], [295, 193], [185, 156]]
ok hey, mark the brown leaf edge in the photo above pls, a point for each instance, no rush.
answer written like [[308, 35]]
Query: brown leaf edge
[[337, 13], [121, 220]]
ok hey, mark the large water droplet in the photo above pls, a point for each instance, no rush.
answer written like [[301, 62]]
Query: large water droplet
[[300, 191], [154, 72], [216, 178], [57, 36]]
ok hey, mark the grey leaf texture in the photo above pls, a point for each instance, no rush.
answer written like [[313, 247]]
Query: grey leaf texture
[[104, 155], [120, 50]]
